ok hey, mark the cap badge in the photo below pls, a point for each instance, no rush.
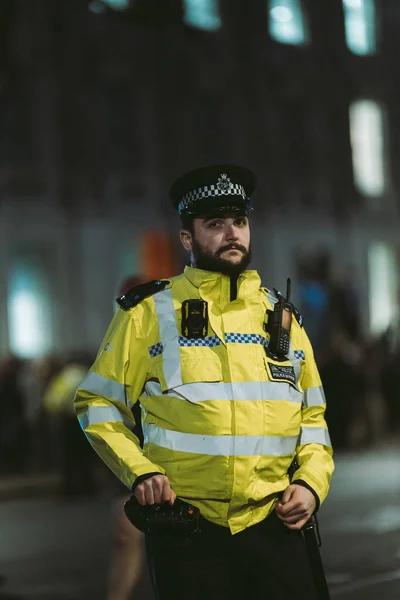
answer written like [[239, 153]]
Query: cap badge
[[224, 183]]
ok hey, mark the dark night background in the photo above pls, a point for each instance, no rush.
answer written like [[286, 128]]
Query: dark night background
[[102, 104]]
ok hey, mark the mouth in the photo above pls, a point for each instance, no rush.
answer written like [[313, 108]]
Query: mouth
[[232, 248], [236, 248]]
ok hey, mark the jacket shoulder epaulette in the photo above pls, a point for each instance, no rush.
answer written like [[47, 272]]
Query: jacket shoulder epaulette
[[275, 296], [139, 292]]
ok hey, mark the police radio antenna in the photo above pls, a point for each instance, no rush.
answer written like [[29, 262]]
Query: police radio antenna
[[288, 289]]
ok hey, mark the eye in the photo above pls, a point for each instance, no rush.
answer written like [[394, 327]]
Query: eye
[[214, 224], [241, 222]]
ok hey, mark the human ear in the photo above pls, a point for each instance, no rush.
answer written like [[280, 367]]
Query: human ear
[[186, 240]]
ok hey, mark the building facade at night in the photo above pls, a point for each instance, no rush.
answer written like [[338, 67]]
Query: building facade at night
[[103, 105]]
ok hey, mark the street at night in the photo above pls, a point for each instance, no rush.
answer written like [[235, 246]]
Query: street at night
[[54, 549], [165, 169]]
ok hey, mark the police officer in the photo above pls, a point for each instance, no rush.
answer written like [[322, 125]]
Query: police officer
[[223, 412]]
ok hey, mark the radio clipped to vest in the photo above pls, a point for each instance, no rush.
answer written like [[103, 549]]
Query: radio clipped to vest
[[194, 318], [278, 323]]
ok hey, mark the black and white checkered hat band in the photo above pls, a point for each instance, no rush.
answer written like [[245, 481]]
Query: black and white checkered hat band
[[210, 191]]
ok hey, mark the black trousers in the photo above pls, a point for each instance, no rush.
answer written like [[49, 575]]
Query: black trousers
[[265, 561]]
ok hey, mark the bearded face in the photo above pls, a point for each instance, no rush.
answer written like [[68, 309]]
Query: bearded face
[[221, 244]]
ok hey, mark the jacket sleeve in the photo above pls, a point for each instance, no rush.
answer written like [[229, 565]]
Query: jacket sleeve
[[314, 450], [103, 400]]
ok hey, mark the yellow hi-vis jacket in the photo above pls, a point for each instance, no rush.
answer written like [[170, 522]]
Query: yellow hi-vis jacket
[[59, 393], [219, 418]]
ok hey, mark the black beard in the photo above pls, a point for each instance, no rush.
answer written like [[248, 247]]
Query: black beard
[[213, 262]]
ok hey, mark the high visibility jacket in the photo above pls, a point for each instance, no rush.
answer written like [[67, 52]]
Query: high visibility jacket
[[220, 418], [59, 393]]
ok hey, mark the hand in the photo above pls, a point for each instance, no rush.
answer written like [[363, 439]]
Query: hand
[[155, 490], [296, 506]]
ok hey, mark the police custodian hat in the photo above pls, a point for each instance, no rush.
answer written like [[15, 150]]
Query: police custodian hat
[[214, 188]]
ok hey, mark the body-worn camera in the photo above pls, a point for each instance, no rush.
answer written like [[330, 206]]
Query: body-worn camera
[[278, 324], [194, 318]]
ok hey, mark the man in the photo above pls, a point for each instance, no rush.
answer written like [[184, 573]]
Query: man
[[76, 458], [223, 415]]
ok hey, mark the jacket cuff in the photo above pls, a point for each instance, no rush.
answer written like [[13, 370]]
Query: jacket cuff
[[143, 478], [310, 489]]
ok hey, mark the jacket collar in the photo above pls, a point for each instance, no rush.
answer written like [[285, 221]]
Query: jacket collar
[[249, 280]]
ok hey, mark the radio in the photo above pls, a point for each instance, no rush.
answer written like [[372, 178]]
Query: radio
[[160, 519], [278, 324]]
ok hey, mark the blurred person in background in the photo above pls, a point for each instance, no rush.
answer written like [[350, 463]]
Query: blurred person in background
[[223, 415], [31, 386], [44, 440], [313, 296], [372, 424], [14, 435], [390, 345], [127, 558], [391, 392], [328, 304], [331, 308], [76, 458], [341, 369], [127, 561], [345, 305]]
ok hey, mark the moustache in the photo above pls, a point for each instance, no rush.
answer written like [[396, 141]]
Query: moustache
[[232, 247]]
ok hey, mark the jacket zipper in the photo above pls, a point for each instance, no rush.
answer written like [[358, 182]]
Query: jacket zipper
[[233, 288]]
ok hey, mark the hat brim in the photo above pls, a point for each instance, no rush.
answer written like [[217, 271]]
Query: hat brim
[[224, 203]]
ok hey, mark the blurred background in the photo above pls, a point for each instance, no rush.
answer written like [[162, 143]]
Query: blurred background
[[102, 104]]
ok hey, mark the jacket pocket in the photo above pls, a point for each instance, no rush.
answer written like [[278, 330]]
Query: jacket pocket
[[189, 372]]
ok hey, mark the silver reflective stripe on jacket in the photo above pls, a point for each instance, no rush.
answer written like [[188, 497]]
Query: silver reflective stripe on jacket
[[96, 415], [220, 445], [100, 414], [169, 338], [103, 414], [110, 390], [314, 435], [102, 386], [314, 396], [246, 390]]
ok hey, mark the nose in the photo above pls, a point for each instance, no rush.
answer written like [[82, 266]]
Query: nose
[[231, 232]]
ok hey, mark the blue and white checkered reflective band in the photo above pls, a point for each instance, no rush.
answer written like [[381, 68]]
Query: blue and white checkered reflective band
[[210, 191], [156, 349], [210, 341], [213, 340], [246, 338]]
